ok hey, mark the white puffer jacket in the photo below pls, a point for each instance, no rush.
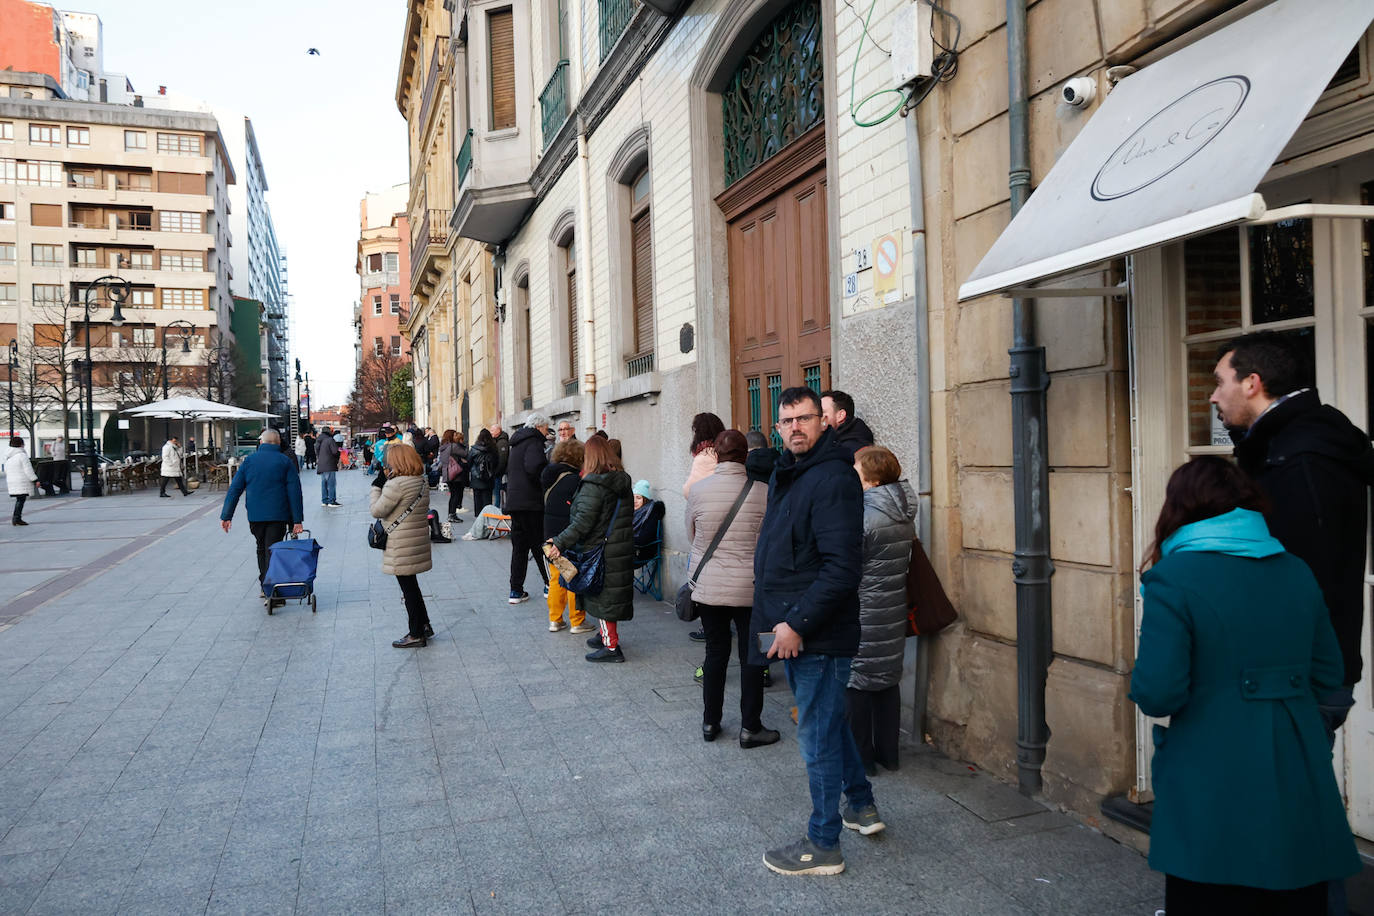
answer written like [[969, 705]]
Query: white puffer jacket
[[728, 579], [171, 460], [407, 547], [19, 473]]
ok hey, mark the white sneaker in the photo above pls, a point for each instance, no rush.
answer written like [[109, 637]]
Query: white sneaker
[[556, 625], [469, 537]]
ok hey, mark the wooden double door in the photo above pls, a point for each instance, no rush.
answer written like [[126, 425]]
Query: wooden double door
[[779, 282]]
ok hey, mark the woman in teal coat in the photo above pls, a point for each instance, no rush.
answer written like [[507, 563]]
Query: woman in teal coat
[[602, 503], [1235, 646]]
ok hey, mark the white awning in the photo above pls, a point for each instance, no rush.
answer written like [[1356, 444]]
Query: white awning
[[1179, 147]]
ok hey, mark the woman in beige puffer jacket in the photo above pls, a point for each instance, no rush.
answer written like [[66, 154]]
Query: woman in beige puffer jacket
[[724, 592], [407, 544]]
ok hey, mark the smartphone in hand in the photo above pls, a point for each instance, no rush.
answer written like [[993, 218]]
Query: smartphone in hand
[[766, 641]]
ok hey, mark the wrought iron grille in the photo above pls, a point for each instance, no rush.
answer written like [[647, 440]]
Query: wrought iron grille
[[639, 365], [776, 95], [465, 158], [553, 102], [774, 396], [615, 16], [570, 388], [811, 378], [755, 404], [527, 404]]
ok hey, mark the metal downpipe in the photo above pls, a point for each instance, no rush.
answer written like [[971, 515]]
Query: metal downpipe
[[1031, 568]]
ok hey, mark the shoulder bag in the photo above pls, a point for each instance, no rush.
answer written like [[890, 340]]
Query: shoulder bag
[[590, 563], [929, 609], [687, 608], [377, 535]]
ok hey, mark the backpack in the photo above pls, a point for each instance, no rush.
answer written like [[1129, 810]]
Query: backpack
[[482, 473]]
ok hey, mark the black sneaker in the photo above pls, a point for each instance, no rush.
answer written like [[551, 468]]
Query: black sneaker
[[518, 597], [804, 858], [594, 642], [606, 655], [865, 820], [697, 636]]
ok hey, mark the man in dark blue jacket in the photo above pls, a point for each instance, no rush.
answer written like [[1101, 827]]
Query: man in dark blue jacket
[[272, 486], [807, 567]]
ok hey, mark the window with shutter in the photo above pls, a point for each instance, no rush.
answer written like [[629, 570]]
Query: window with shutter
[[501, 37], [642, 272], [574, 349]]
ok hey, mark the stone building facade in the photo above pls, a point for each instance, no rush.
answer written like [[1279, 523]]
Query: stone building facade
[[691, 210], [450, 328]]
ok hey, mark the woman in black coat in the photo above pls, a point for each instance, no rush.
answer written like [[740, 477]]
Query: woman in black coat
[[603, 503], [560, 481], [482, 463], [454, 447]]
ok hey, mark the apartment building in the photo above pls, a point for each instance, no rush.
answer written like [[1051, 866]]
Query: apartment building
[[383, 266], [697, 204], [89, 190], [66, 46], [451, 327]]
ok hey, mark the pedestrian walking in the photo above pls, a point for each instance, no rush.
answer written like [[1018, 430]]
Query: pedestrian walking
[[525, 502], [482, 464], [807, 568], [61, 470], [602, 504], [271, 487], [726, 509], [872, 696], [310, 451], [400, 498], [171, 469], [300, 450], [453, 465], [327, 457], [559, 482], [1237, 648], [19, 478]]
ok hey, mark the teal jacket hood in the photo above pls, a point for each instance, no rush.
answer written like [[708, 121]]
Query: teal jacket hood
[[1240, 533]]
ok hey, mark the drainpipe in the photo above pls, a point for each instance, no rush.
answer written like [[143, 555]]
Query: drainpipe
[[1031, 568], [920, 690], [587, 384]]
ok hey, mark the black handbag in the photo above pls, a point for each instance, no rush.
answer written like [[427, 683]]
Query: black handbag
[[590, 563], [377, 535], [684, 605]]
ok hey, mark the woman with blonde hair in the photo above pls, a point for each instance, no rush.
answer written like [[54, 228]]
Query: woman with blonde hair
[[400, 498], [602, 512]]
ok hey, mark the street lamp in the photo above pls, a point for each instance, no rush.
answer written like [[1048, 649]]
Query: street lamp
[[116, 292], [14, 367], [186, 329]]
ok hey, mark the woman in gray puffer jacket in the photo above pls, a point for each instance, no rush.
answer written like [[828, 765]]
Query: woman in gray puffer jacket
[[400, 498], [889, 527]]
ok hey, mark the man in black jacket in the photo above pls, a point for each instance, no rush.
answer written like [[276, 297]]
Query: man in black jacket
[[1316, 468], [807, 566], [525, 502], [838, 410], [501, 439]]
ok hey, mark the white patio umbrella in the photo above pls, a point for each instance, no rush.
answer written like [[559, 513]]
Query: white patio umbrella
[[191, 408]]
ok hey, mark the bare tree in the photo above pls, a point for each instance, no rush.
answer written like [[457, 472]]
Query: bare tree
[[370, 404], [30, 402], [55, 335]]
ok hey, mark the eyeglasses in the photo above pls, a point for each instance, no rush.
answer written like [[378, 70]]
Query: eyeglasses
[[787, 422]]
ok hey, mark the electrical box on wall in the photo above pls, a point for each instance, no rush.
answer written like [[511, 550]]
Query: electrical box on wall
[[913, 47]]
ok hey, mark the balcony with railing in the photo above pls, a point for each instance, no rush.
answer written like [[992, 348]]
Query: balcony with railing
[[465, 158], [437, 56], [570, 387], [639, 365], [615, 18], [553, 102], [428, 243]]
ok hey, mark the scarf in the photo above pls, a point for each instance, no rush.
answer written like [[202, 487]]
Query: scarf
[[1240, 533]]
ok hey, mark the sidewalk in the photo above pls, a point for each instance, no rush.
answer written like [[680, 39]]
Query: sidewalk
[[166, 746]]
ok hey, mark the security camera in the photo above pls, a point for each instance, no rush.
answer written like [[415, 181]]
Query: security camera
[[1079, 91]]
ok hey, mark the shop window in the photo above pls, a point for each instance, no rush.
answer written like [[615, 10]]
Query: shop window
[[1281, 271]]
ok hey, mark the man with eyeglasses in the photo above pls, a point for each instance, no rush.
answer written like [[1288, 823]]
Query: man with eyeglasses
[[807, 566]]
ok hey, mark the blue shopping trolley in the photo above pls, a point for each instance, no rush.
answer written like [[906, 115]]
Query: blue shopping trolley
[[291, 568]]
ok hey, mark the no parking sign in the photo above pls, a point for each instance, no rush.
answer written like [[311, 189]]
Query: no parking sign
[[887, 268]]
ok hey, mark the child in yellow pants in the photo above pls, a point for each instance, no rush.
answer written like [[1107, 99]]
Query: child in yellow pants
[[560, 597]]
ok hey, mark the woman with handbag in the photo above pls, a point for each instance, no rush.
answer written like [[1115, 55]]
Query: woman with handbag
[[453, 465], [400, 501], [482, 462], [1236, 647], [872, 696], [600, 531], [724, 513]]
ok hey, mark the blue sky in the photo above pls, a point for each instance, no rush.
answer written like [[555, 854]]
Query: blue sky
[[327, 127]]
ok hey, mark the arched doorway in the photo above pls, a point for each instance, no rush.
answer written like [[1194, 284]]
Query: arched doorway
[[774, 204]]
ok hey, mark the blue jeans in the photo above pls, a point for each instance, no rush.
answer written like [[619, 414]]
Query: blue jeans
[[827, 745], [328, 492]]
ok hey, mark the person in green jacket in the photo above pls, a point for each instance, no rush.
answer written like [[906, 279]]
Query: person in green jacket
[[1236, 646], [603, 502]]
